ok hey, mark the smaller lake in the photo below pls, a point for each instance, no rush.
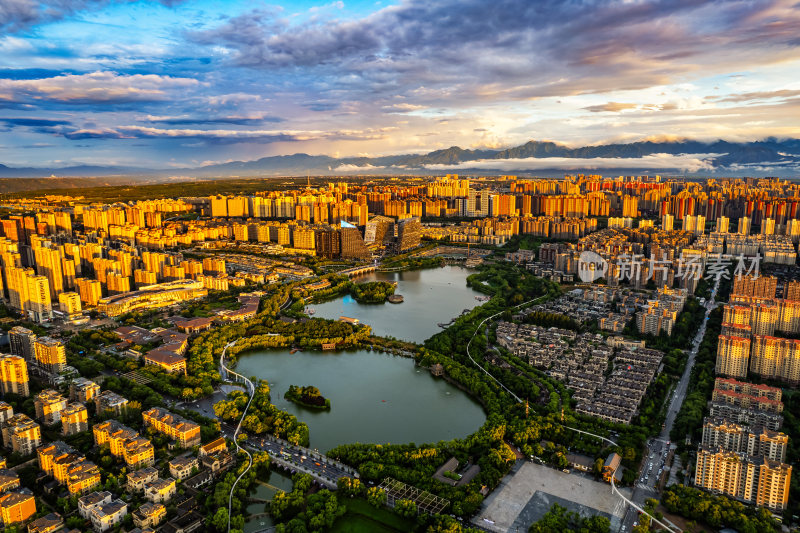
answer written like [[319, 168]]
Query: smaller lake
[[265, 489], [375, 397], [431, 296]]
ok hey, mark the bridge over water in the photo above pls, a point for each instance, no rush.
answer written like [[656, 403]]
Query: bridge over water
[[320, 467]]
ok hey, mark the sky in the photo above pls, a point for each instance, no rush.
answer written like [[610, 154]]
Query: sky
[[184, 83]]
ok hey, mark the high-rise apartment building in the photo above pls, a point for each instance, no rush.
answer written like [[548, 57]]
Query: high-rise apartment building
[[21, 434], [303, 238], [69, 303], [762, 286], [74, 419], [694, 224], [213, 266], [90, 290], [83, 390], [768, 226], [733, 355], [51, 355], [219, 206], [734, 437], [14, 375], [328, 242], [49, 264], [478, 203], [49, 404], [22, 342], [630, 206], [775, 358], [29, 293], [755, 480], [791, 290], [743, 227]]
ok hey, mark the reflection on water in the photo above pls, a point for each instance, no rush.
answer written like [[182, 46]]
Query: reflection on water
[[265, 489], [375, 397], [431, 296]]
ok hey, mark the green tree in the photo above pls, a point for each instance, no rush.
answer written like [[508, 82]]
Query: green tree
[[376, 497], [220, 519]]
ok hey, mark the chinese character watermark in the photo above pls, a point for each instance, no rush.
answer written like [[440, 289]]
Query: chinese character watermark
[[691, 267]]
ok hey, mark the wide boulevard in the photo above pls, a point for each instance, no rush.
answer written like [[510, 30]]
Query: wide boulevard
[[660, 446]]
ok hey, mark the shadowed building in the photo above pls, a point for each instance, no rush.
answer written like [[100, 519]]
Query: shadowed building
[[353, 246]]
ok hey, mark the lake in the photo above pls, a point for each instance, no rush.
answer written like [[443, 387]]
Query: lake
[[375, 397], [431, 296]]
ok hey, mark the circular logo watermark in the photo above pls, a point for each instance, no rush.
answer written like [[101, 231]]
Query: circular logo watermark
[[591, 266]]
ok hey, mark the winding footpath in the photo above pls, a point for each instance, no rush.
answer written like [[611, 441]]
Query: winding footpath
[[613, 486], [224, 372]]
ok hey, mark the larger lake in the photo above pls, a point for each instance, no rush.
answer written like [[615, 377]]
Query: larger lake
[[432, 296], [375, 397]]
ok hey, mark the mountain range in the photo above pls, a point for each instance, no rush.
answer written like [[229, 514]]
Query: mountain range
[[768, 157]]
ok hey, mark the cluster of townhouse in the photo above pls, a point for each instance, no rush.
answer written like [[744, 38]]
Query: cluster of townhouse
[[609, 377]]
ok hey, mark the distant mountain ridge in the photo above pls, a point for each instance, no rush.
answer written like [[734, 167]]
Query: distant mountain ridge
[[771, 156]]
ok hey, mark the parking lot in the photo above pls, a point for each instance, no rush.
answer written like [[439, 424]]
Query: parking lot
[[205, 406], [528, 493]]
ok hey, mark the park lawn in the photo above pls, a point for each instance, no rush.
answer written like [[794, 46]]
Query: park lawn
[[361, 517]]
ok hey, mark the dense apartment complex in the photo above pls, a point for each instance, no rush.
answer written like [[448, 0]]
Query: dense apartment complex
[[752, 479]]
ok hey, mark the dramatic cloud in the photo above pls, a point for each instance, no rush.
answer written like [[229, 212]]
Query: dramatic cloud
[[176, 83], [517, 48]]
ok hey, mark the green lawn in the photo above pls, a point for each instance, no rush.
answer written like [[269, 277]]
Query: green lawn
[[361, 517]]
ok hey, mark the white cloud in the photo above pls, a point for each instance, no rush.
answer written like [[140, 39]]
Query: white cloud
[[101, 86], [688, 162], [355, 168]]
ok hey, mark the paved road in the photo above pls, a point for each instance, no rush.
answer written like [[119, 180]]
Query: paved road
[[300, 458], [303, 459], [658, 447]]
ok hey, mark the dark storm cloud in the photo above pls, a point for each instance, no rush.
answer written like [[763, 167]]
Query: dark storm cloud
[[16, 15], [32, 122]]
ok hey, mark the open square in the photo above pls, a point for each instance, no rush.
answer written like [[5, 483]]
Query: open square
[[529, 491]]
